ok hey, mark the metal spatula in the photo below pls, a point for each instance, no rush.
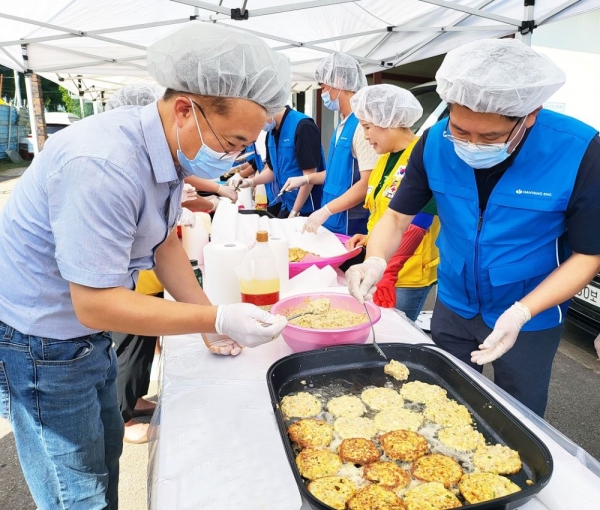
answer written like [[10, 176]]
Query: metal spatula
[[381, 353]]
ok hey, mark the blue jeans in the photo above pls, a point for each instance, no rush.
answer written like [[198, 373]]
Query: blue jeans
[[61, 398], [411, 300]]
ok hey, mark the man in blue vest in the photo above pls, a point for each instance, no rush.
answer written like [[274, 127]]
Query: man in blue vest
[[293, 150], [351, 157], [517, 192]]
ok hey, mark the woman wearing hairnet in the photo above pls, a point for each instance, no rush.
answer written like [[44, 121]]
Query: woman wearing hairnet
[[386, 113], [517, 189], [98, 205], [351, 158]]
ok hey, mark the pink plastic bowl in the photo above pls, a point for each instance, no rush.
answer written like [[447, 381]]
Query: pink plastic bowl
[[305, 339], [320, 262]]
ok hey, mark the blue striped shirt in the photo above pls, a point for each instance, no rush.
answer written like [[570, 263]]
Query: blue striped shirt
[[91, 209]]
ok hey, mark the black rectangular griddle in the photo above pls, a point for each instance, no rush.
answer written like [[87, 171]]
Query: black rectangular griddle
[[357, 366]]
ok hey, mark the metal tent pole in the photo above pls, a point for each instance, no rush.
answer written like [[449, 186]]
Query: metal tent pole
[[31, 108], [18, 102]]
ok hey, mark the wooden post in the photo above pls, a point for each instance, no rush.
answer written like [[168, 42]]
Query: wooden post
[[36, 110], [377, 78]]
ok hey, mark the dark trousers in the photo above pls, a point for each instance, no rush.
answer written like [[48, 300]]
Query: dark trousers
[[135, 354], [524, 371]]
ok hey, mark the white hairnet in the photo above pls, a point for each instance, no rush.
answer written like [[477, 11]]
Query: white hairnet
[[501, 76], [137, 94], [386, 106], [341, 72], [212, 60]]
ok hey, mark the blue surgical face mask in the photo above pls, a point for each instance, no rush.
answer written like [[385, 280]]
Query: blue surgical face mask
[[481, 158], [208, 163], [270, 125], [330, 104]]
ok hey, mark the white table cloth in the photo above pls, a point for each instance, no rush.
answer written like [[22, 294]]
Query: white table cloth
[[215, 443]]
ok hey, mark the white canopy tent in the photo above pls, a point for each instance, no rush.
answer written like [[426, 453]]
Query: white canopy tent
[[93, 47]]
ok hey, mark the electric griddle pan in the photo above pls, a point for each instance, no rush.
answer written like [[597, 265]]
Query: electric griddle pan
[[356, 367]]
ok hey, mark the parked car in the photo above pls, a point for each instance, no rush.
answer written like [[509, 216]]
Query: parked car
[[55, 121], [584, 311]]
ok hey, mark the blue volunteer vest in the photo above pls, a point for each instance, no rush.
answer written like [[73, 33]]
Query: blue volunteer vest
[[284, 164], [490, 261], [342, 173]]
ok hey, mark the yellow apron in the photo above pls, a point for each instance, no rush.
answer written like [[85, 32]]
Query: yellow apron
[[421, 269]]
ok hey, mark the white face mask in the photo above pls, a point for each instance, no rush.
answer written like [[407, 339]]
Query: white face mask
[[482, 156]]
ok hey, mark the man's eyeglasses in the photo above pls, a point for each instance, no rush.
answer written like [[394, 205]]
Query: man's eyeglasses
[[226, 154], [487, 147]]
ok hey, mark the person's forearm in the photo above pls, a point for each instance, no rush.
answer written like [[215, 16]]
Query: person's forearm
[[120, 309], [303, 192], [199, 205], [203, 184], [354, 196], [385, 238], [175, 272], [245, 170], [563, 283], [317, 178], [264, 177]]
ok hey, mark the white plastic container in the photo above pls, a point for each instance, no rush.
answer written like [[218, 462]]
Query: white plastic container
[[257, 274]]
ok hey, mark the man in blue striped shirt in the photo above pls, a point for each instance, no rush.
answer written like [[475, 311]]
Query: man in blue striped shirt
[[98, 205]]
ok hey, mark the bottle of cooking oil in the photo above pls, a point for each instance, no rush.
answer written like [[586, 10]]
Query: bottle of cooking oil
[[259, 280], [260, 197]]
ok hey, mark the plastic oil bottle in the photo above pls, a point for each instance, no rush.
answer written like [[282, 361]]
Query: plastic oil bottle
[[260, 197], [257, 274]]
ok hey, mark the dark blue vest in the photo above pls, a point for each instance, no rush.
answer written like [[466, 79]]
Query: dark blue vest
[[490, 261], [284, 163], [342, 173]]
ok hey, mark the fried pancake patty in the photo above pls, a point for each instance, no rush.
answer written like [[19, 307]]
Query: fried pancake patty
[[387, 474], [397, 370], [313, 463], [334, 491], [430, 496], [437, 468], [478, 487], [448, 413], [380, 399], [398, 419], [463, 438], [358, 450], [346, 406], [417, 391], [300, 405], [348, 427], [311, 433], [497, 459], [374, 497], [404, 445]]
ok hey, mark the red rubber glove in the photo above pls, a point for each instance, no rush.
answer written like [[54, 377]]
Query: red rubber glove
[[385, 295]]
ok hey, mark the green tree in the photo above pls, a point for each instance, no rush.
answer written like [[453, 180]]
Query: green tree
[[72, 105]]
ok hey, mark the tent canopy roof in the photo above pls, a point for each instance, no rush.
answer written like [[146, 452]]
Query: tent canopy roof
[[97, 47]]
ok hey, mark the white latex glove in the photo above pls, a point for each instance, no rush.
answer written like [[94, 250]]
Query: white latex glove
[[316, 219], [228, 192], [237, 181], [215, 201], [504, 335], [188, 193], [223, 345], [295, 183], [187, 218], [293, 214], [363, 278], [247, 324]]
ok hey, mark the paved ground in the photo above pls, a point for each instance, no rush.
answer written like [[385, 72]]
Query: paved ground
[[572, 409]]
